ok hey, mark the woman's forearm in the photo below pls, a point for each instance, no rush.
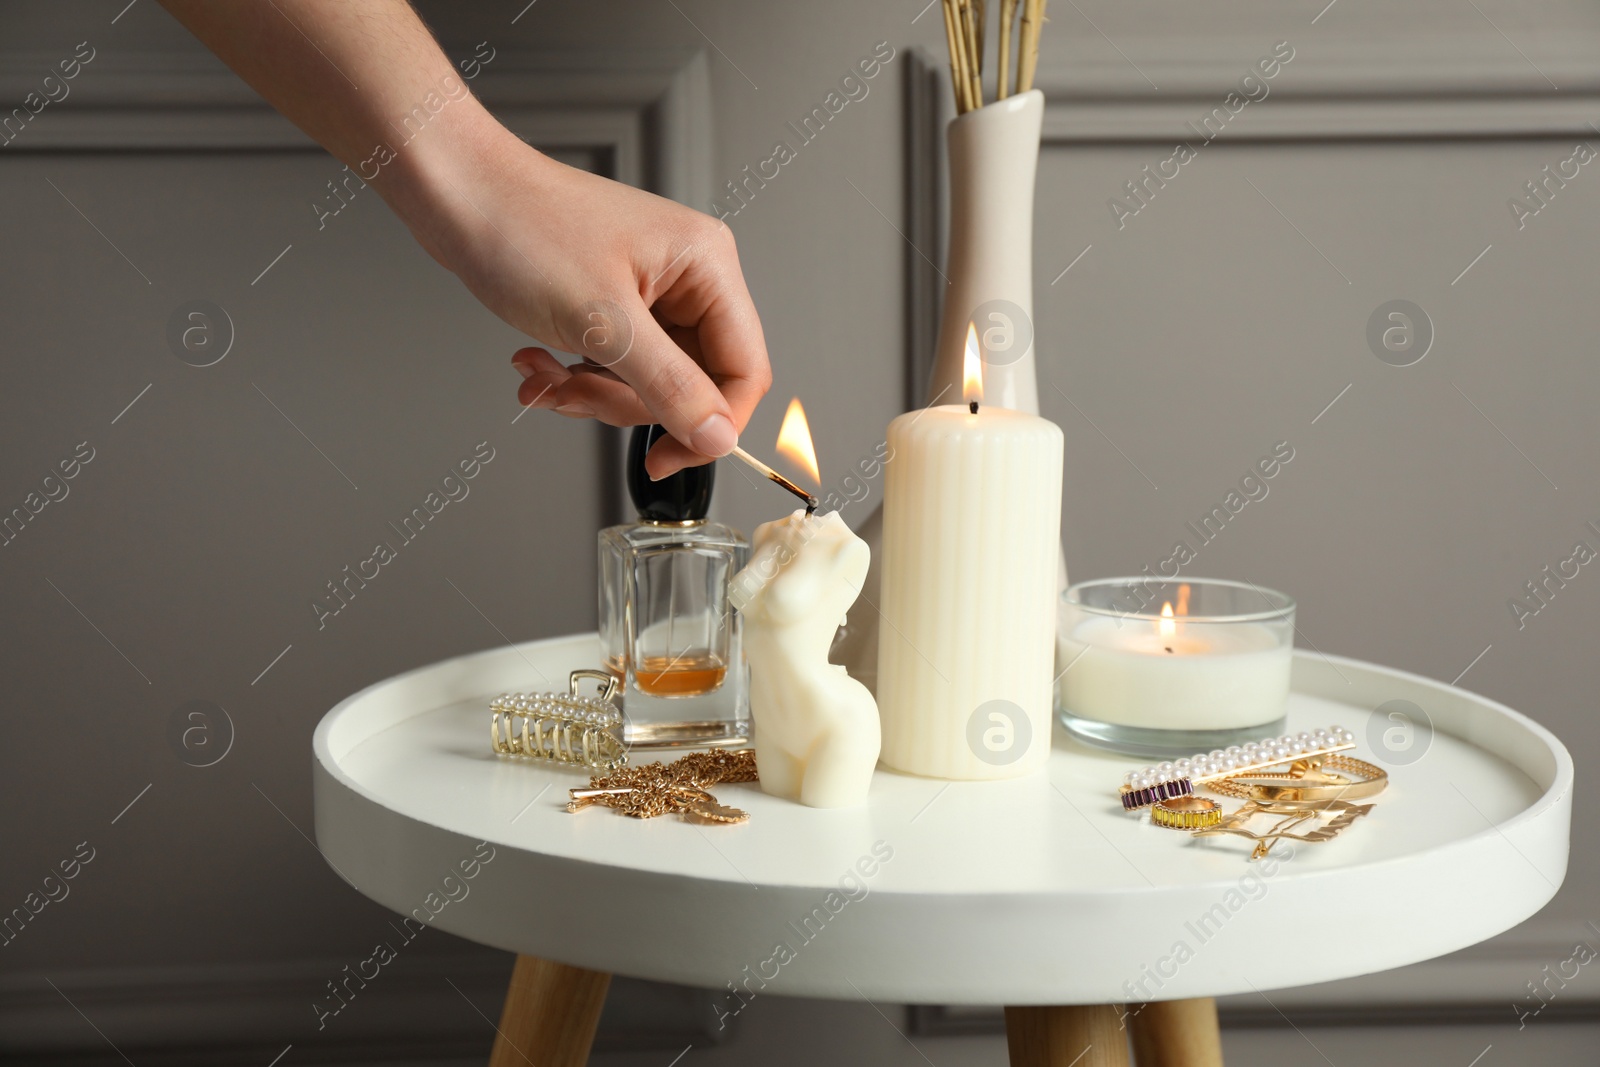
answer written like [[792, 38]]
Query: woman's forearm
[[364, 78]]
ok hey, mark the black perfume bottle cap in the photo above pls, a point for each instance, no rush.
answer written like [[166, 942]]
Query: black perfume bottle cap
[[681, 497]]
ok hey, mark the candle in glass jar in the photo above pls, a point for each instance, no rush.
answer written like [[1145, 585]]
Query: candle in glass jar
[[1225, 666], [1239, 679], [971, 544]]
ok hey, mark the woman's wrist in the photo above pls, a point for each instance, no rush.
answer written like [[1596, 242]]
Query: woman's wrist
[[434, 176]]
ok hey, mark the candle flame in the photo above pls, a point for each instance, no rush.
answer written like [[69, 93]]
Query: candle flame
[[972, 368], [794, 441], [1167, 627]]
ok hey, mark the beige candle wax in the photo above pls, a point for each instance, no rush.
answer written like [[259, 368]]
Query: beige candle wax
[[971, 544]]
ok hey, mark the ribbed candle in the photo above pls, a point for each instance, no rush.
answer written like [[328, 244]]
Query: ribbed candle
[[971, 543]]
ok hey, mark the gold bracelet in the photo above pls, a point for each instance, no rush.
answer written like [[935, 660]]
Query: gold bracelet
[[1353, 779], [1186, 813]]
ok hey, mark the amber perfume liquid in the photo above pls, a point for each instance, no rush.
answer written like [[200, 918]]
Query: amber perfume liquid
[[678, 676]]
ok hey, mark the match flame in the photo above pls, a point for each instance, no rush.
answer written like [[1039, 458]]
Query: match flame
[[1167, 627], [794, 441], [972, 368]]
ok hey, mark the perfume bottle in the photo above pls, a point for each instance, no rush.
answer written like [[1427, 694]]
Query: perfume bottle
[[667, 631]]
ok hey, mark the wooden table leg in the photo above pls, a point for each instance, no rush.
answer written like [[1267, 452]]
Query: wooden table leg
[[1177, 1033], [550, 1015], [1078, 1036]]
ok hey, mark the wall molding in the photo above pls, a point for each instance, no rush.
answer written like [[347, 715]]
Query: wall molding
[[1479, 985], [650, 108], [246, 1013], [1449, 85]]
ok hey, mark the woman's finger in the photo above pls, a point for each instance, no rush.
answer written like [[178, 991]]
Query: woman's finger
[[542, 374], [670, 455], [710, 297], [602, 397], [529, 361], [675, 389]]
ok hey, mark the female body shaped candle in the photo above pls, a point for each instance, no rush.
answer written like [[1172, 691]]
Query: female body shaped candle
[[817, 732]]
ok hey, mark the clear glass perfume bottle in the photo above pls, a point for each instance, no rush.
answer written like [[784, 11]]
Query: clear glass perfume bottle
[[667, 631]]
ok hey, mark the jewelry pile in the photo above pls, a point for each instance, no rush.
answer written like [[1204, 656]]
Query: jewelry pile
[[1176, 777], [586, 731], [1317, 784]]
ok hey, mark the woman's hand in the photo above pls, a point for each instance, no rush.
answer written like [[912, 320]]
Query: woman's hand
[[647, 291]]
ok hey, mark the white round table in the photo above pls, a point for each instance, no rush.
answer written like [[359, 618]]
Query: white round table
[[1036, 894]]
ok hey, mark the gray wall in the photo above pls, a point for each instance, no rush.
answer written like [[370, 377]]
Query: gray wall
[[1219, 320]]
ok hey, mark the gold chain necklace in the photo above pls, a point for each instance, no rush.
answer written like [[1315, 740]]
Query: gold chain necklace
[[657, 788]]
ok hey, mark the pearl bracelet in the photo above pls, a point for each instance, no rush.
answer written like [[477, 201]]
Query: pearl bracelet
[[1177, 777]]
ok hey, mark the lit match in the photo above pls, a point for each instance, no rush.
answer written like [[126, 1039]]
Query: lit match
[[774, 476], [794, 444]]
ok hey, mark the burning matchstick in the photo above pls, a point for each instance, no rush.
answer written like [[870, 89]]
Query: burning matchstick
[[774, 476]]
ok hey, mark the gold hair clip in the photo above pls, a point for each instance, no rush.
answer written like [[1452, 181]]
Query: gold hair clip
[[1326, 778], [565, 728]]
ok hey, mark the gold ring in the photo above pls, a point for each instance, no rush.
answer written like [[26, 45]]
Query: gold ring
[[1186, 813]]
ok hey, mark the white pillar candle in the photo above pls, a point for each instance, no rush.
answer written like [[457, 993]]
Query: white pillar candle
[[816, 728], [971, 544]]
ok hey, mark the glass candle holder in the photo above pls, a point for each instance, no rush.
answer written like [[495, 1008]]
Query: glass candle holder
[[1172, 668]]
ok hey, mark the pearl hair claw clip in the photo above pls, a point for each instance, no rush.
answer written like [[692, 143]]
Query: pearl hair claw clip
[[566, 728]]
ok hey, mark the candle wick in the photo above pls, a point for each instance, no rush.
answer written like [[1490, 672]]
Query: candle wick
[[1169, 648], [973, 405]]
